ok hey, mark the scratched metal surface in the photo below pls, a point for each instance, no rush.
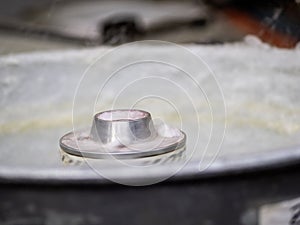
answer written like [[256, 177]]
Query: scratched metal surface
[[260, 86]]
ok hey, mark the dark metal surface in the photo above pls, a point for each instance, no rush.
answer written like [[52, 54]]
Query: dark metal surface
[[223, 200]]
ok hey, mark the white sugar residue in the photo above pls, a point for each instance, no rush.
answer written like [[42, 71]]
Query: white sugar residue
[[260, 85], [166, 131]]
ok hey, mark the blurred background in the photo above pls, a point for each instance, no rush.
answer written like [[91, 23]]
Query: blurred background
[[260, 86], [59, 24]]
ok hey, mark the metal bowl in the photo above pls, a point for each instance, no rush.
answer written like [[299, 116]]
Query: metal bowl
[[258, 162]]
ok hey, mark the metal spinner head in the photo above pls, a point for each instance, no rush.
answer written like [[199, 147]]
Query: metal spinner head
[[125, 133]]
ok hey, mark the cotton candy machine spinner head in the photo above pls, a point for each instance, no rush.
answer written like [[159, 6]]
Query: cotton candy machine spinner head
[[124, 134]]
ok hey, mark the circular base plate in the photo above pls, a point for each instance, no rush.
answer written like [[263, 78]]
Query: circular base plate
[[81, 144]]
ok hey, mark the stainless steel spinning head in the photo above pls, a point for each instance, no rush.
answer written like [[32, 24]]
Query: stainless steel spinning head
[[128, 133]]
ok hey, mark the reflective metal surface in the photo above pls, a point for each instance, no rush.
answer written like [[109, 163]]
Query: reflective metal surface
[[123, 134]]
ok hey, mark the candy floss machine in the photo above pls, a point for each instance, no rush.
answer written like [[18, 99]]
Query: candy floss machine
[[150, 132]]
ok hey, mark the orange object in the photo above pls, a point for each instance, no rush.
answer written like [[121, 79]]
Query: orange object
[[250, 25]]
